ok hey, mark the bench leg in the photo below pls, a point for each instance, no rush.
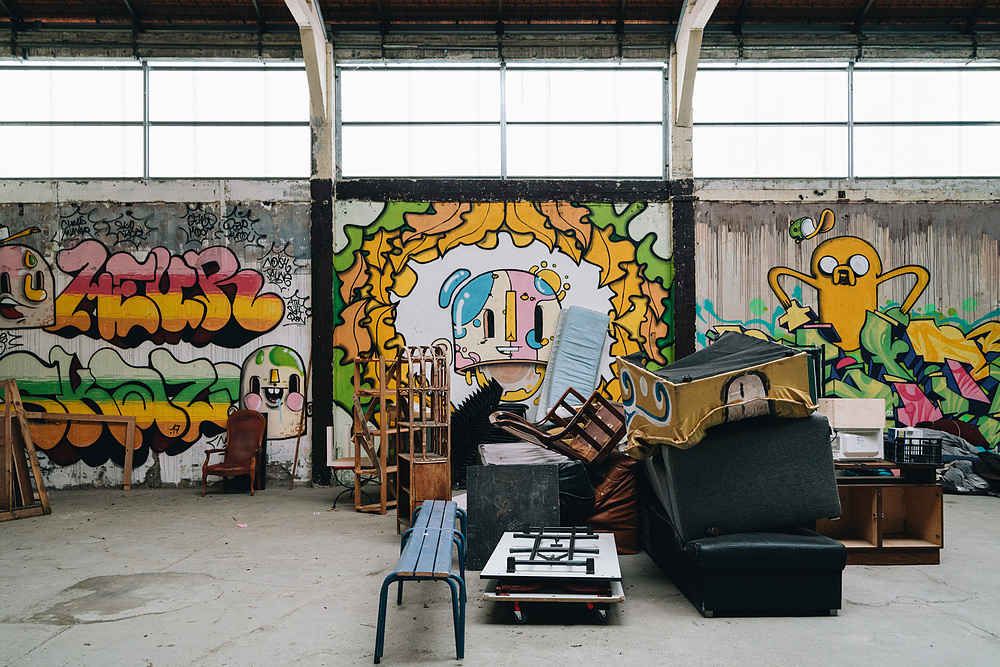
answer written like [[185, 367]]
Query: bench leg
[[459, 540], [380, 631], [402, 544], [457, 585]]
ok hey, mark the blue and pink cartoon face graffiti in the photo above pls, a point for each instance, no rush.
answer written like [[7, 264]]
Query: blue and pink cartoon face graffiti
[[272, 383], [501, 316]]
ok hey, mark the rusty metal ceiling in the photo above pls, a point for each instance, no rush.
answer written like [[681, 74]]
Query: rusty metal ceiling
[[399, 16]]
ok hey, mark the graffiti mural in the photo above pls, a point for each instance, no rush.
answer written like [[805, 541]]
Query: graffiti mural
[[927, 363], [27, 290], [174, 402], [273, 382], [489, 280], [503, 321], [175, 314], [198, 297]]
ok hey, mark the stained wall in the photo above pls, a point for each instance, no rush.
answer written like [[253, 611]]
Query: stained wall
[[176, 306], [903, 297]]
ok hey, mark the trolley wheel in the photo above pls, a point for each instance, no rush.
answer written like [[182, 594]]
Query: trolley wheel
[[519, 616], [602, 614]]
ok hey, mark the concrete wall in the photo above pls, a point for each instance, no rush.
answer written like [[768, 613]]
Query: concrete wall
[[903, 296], [171, 301], [410, 273]]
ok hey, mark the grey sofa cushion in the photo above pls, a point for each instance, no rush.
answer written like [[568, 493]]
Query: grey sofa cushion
[[754, 475]]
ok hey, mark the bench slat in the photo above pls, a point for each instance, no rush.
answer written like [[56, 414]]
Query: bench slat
[[429, 547], [428, 553]]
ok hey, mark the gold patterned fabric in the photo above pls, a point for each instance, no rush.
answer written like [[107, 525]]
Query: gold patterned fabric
[[735, 378]]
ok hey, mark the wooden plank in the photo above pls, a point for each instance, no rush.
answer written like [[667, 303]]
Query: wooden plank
[[6, 461], [29, 443], [21, 479], [23, 513], [127, 420], [16, 493]]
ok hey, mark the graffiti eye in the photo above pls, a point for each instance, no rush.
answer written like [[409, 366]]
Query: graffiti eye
[[827, 265], [538, 321], [488, 324], [293, 384], [254, 385], [859, 264]]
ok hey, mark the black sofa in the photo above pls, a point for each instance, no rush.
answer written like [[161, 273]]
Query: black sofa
[[727, 520]]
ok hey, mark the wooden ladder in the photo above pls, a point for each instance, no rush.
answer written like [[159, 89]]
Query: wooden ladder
[[17, 453]]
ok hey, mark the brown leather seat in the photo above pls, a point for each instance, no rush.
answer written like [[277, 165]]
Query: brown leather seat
[[245, 432]]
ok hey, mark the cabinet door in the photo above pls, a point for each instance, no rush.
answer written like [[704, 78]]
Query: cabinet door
[[857, 526], [911, 516]]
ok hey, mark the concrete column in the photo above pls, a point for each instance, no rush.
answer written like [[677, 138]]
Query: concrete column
[[684, 54], [317, 53]]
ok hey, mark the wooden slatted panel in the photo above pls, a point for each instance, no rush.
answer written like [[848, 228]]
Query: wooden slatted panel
[[427, 554]]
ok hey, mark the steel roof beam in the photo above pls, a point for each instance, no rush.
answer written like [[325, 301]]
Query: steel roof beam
[[136, 21]]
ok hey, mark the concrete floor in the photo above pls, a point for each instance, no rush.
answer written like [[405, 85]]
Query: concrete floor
[[166, 577]]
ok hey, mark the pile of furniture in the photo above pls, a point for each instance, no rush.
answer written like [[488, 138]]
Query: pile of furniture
[[731, 506], [581, 436]]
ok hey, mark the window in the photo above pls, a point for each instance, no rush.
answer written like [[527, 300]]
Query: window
[[166, 119], [153, 120], [71, 121], [846, 121], [509, 120], [926, 121]]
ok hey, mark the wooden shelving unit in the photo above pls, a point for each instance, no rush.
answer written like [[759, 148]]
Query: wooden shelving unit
[[376, 428], [423, 459], [884, 520]]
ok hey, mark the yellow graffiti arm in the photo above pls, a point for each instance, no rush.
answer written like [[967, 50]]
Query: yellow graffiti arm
[[923, 278], [778, 271]]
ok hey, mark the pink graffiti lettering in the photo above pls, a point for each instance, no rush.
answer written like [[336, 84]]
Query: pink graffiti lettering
[[199, 297]]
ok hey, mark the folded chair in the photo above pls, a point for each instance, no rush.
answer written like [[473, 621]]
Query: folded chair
[[245, 431], [586, 430]]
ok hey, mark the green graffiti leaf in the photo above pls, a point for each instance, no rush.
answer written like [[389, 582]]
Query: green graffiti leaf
[[604, 215], [862, 386], [654, 267], [990, 428], [950, 402], [882, 349], [812, 338], [391, 218]]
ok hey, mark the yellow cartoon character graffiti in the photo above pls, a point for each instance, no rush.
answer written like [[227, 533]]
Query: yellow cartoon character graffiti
[[846, 271]]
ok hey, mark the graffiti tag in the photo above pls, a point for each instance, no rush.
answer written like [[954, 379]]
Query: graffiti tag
[[199, 297]]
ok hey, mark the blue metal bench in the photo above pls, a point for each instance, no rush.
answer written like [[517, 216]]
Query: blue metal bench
[[426, 555]]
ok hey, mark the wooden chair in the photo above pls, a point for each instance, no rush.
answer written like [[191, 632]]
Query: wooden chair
[[245, 432], [586, 430]]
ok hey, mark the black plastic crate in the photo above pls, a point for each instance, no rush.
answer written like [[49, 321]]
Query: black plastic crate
[[913, 450]]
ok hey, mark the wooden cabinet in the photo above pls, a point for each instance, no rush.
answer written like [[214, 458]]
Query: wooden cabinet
[[889, 520]]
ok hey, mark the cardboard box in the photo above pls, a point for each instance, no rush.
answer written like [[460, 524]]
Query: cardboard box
[[854, 413]]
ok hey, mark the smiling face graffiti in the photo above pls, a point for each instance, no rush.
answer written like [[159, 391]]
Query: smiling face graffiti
[[27, 300], [503, 323], [502, 316], [273, 384]]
